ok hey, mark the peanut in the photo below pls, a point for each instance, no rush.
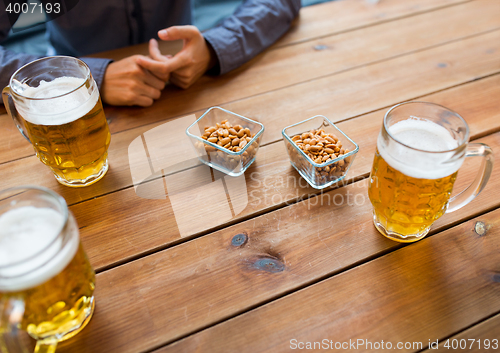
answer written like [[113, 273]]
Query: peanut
[[232, 138], [321, 148]]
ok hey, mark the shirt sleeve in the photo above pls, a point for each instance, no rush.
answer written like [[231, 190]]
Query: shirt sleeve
[[254, 26], [11, 61], [97, 67]]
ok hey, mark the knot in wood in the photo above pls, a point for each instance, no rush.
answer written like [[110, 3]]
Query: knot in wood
[[320, 47], [480, 228], [239, 239], [269, 265]]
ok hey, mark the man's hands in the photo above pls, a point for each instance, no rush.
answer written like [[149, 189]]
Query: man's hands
[[186, 66], [138, 80], [127, 83]]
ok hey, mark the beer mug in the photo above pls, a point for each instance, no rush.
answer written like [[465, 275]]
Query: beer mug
[[420, 148], [46, 281], [55, 104]]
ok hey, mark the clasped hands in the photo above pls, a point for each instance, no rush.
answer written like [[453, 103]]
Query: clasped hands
[[139, 79]]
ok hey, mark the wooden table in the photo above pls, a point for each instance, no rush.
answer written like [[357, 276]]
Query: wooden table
[[309, 270]]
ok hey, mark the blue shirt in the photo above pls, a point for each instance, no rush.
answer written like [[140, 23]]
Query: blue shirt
[[98, 25]]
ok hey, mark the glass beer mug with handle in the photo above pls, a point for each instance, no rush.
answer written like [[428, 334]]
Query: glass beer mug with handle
[[420, 148], [46, 281], [55, 104]]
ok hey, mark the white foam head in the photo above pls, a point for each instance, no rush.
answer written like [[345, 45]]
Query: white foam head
[[423, 136], [24, 232], [61, 108]]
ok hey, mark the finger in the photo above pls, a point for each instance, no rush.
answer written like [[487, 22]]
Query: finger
[[149, 92], [154, 50], [160, 68], [139, 88], [179, 82], [153, 81], [143, 101], [178, 32]]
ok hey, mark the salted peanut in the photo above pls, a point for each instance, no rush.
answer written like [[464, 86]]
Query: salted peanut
[[321, 147], [231, 138]]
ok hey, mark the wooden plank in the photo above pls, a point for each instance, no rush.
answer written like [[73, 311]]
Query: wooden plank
[[480, 337], [339, 53], [198, 283], [421, 293], [271, 181], [340, 16]]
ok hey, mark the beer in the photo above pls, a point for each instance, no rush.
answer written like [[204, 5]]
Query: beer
[[410, 186], [69, 131], [49, 272]]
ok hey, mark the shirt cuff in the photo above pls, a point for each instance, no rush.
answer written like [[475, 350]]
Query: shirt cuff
[[97, 68], [226, 47]]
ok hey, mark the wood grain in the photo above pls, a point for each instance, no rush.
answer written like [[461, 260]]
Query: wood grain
[[361, 90], [340, 16], [339, 53], [198, 283], [423, 292], [271, 181], [474, 339]]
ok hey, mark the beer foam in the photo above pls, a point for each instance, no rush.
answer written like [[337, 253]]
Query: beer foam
[[31, 252], [63, 108], [422, 135]]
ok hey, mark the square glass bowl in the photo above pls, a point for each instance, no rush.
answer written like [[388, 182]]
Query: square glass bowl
[[229, 162], [321, 175]]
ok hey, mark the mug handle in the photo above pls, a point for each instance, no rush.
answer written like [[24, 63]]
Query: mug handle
[[11, 314], [12, 111], [467, 195]]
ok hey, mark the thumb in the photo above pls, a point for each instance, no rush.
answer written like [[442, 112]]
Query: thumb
[[178, 32]]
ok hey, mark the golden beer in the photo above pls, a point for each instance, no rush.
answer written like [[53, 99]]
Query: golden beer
[[406, 205], [412, 177], [44, 265], [55, 103], [64, 302], [420, 149]]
